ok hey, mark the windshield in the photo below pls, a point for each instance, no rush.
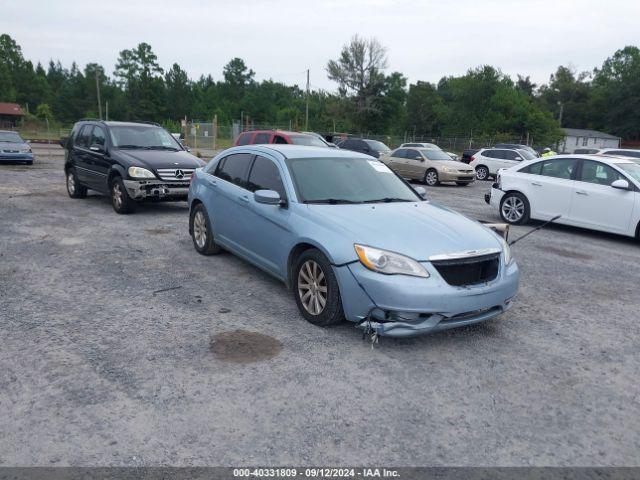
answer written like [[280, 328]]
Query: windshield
[[142, 136], [435, 154], [377, 146], [632, 169], [308, 140], [11, 137], [347, 180]]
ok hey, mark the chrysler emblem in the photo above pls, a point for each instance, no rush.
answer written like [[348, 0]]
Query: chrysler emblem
[[179, 174]]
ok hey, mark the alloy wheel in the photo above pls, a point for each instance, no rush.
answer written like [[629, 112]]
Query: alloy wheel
[[432, 178], [481, 173], [312, 287], [71, 183], [513, 209], [200, 229], [118, 195]]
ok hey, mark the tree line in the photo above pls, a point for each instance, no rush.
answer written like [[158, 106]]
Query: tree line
[[484, 101]]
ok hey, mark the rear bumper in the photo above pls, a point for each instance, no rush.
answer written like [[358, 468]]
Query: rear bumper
[[400, 306], [156, 189]]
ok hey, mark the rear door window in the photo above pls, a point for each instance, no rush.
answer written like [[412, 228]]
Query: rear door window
[[234, 168], [265, 176], [84, 137], [559, 168], [491, 154], [262, 138], [245, 138], [400, 153], [413, 154]]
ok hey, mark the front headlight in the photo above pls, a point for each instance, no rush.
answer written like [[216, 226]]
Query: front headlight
[[389, 263], [448, 170], [506, 249], [139, 172], [25, 150]]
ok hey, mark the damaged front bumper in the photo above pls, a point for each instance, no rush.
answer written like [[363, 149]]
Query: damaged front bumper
[[156, 189], [402, 306]]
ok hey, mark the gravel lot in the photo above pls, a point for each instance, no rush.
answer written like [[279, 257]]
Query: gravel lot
[[97, 369]]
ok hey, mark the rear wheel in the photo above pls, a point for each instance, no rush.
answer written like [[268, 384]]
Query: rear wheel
[[74, 189], [431, 177], [201, 232], [316, 289], [514, 208], [120, 199], [482, 173]]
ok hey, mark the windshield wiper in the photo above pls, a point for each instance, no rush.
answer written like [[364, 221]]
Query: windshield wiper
[[332, 201], [387, 200], [130, 146], [160, 147]]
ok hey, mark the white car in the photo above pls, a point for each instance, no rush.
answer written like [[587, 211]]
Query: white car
[[589, 191], [487, 161], [618, 152]]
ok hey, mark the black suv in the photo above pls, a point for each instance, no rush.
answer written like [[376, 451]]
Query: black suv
[[128, 161], [363, 145]]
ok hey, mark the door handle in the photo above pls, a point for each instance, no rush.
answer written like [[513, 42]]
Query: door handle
[[244, 198], [581, 192], [212, 182], [536, 184]]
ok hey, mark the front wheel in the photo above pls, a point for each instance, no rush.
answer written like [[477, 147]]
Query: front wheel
[[514, 208], [120, 199], [201, 232], [431, 178], [316, 289], [482, 173]]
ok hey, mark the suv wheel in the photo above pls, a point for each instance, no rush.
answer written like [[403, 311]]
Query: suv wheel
[[201, 232], [431, 177], [120, 199], [316, 289], [482, 173], [74, 189], [514, 208]]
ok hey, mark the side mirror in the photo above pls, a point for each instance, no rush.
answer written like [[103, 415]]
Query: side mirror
[[97, 148], [621, 184], [421, 191], [268, 197], [419, 157]]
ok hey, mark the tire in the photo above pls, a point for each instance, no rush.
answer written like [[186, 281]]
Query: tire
[[30, 162], [514, 208], [462, 184], [120, 200], [431, 177], [201, 231], [313, 269], [74, 189], [482, 173]]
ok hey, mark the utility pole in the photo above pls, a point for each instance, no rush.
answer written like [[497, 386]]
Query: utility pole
[[98, 94], [561, 112], [106, 108], [306, 113]]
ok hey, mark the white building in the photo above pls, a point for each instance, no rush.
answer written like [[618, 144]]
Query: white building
[[579, 138]]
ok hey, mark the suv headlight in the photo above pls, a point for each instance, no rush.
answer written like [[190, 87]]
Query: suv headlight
[[506, 249], [139, 172], [389, 263]]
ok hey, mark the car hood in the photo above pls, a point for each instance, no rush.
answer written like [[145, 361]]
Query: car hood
[[416, 229], [154, 159], [13, 146]]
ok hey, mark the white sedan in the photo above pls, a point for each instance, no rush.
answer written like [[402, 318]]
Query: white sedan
[[590, 191]]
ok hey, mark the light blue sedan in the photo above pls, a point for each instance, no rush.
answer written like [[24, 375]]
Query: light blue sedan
[[351, 239]]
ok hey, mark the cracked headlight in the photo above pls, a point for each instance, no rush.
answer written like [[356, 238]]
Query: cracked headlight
[[139, 172], [506, 249], [389, 263]]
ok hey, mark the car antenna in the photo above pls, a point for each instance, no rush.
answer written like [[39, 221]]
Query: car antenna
[[535, 229]]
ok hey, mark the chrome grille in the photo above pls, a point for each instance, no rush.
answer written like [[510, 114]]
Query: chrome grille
[[175, 174]]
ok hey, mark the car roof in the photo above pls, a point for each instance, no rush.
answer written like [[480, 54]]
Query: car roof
[[300, 151], [618, 149], [283, 132], [9, 131], [609, 159]]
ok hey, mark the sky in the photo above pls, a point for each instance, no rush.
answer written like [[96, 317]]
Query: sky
[[281, 39]]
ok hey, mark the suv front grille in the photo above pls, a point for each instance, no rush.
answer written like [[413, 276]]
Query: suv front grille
[[175, 174], [468, 271]]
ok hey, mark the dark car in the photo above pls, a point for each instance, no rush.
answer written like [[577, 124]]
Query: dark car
[[363, 145], [467, 155], [14, 149], [130, 162], [258, 137]]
